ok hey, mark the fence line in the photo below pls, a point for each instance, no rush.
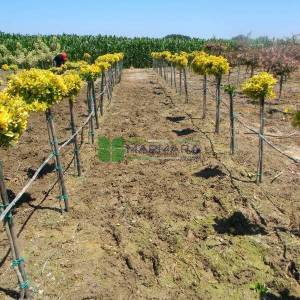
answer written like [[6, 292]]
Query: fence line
[[32, 179], [296, 160]]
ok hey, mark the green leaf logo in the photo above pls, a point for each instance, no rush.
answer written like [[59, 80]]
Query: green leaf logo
[[111, 151]]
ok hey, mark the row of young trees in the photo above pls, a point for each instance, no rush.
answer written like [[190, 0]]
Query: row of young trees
[[278, 59], [38, 90], [259, 87]]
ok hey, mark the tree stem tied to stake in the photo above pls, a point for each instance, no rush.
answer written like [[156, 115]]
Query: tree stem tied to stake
[[204, 96], [102, 93], [90, 109], [171, 71], [231, 90], [18, 261], [93, 96], [261, 141], [174, 77], [185, 86], [64, 194], [75, 143], [218, 102], [180, 82]]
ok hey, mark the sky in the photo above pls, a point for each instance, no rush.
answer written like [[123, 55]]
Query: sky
[[153, 18]]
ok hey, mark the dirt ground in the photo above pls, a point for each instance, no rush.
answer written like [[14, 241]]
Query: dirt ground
[[159, 228]]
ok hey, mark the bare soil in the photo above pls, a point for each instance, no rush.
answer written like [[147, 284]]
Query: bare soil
[[159, 229]]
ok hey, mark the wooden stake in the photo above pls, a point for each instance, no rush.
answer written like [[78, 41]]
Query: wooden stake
[[185, 86], [90, 110], [261, 141], [64, 194], [13, 241], [160, 67], [107, 86], [101, 93], [232, 124], [116, 74], [110, 82], [280, 86], [204, 108], [165, 73], [171, 71], [180, 82], [76, 148], [238, 75], [55, 161], [93, 97], [121, 69], [218, 103], [112, 77], [174, 77], [82, 136]]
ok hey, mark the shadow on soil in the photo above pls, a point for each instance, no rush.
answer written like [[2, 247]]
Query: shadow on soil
[[10, 293], [48, 168], [4, 258], [209, 172], [284, 295], [237, 224], [183, 132], [175, 119], [26, 198], [35, 208]]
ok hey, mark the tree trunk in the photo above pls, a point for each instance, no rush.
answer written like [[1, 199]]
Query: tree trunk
[[76, 148], [13, 241], [93, 96], [204, 96], [180, 82], [232, 125], [261, 141], [228, 77], [238, 75], [171, 75], [174, 77], [280, 86], [185, 86], [165, 73], [59, 170], [160, 68], [252, 71], [90, 110], [218, 103], [102, 93]]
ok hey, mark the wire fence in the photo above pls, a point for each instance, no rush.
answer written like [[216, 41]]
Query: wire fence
[[237, 117], [50, 156]]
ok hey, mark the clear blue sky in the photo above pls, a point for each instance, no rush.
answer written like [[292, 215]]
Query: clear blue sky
[[197, 18]]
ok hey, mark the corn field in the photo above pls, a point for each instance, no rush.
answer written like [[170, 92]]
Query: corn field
[[137, 50]]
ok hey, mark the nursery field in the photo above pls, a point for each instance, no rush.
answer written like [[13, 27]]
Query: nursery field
[[160, 228]]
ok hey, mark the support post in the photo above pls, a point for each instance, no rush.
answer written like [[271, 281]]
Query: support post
[[261, 141], [18, 261], [59, 170], [75, 143]]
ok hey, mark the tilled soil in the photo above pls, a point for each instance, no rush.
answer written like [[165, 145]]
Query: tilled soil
[[157, 228]]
